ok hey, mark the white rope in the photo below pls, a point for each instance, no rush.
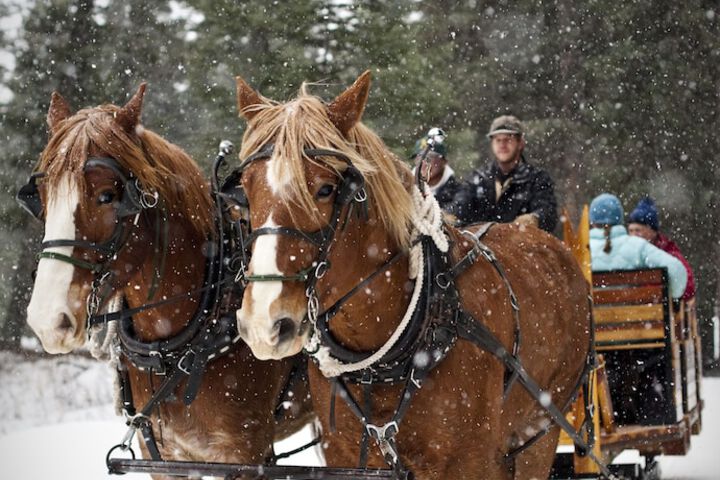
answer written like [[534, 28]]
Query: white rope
[[427, 217], [331, 367], [426, 220]]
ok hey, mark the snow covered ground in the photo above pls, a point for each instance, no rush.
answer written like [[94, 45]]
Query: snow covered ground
[[57, 421]]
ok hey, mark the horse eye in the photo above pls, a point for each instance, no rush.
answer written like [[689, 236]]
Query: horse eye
[[106, 197], [325, 191]]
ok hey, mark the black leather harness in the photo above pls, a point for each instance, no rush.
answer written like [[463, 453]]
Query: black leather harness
[[206, 336], [437, 323]]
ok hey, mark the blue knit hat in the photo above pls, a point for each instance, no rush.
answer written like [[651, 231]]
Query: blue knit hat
[[645, 213], [606, 209]]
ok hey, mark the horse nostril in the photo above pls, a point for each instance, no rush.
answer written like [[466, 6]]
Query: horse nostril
[[285, 328], [65, 323]]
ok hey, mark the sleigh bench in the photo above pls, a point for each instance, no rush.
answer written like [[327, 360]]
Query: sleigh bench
[[651, 350]]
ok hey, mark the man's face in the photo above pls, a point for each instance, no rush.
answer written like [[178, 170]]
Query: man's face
[[642, 231], [507, 147], [433, 167]]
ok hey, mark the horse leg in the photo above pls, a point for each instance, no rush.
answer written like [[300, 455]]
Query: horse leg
[[536, 461]]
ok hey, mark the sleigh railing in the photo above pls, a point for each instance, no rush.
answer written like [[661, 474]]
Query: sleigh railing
[[652, 353]]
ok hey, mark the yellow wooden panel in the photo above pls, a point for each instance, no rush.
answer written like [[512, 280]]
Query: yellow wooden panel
[[632, 313], [629, 346], [629, 334]]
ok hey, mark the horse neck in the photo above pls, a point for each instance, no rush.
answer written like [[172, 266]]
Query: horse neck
[[369, 317], [183, 272]]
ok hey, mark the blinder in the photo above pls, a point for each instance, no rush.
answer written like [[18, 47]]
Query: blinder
[[131, 202], [29, 196], [353, 181]]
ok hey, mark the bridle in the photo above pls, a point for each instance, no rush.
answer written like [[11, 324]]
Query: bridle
[[349, 192], [134, 200], [207, 334]]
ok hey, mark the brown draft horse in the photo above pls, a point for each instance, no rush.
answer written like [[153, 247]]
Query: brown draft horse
[[232, 417], [458, 425]]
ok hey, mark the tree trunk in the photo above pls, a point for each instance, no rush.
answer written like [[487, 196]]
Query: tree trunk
[[13, 326]]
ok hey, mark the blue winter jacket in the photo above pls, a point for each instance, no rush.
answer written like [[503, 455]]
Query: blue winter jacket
[[629, 253]]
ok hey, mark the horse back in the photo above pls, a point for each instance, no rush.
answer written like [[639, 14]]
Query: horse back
[[553, 299]]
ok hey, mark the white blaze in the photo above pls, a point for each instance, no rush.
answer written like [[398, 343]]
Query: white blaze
[[254, 315], [52, 284]]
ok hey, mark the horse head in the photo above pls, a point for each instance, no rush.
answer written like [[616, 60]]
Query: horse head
[[101, 188], [307, 169]]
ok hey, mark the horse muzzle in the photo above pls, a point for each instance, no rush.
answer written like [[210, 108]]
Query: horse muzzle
[[271, 339], [58, 333]]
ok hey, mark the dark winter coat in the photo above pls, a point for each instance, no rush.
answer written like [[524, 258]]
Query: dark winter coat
[[445, 195], [529, 190]]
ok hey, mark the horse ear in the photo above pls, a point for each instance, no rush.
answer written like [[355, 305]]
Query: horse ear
[[129, 116], [247, 98], [59, 110], [347, 109]]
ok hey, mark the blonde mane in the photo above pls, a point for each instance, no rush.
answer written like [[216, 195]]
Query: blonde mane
[[158, 164], [303, 123]]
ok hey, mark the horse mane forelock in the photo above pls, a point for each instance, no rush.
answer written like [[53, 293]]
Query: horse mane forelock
[[303, 123], [157, 163]]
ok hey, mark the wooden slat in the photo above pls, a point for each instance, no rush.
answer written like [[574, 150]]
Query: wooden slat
[[649, 438], [628, 277], [632, 295], [628, 335], [604, 400], [628, 346], [689, 375], [677, 379], [631, 325], [632, 313]]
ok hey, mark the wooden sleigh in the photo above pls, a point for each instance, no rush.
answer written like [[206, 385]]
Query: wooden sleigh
[[646, 391]]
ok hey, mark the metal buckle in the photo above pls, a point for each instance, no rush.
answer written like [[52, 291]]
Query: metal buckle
[[384, 433], [367, 378], [185, 356], [92, 303], [240, 276], [313, 306], [442, 281], [321, 270], [147, 199], [161, 362], [384, 437], [488, 254], [361, 195], [416, 382]]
